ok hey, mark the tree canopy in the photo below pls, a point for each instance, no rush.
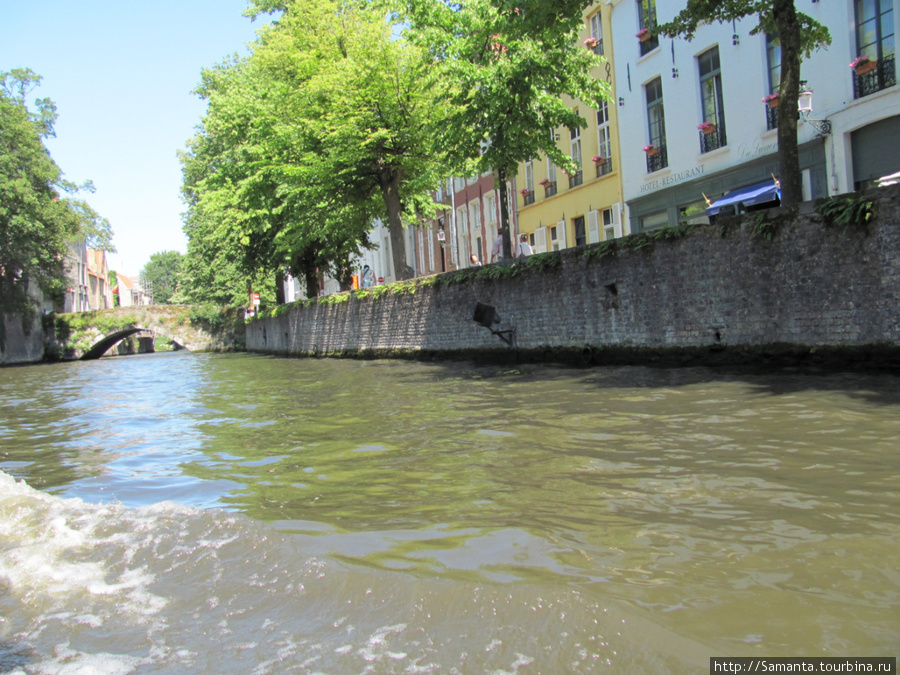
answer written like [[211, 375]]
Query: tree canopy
[[40, 212], [798, 35], [162, 273], [323, 128], [506, 68]]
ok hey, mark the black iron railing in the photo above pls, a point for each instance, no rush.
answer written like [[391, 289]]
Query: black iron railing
[[528, 198], [657, 160], [771, 117], [883, 76], [712, 140], [603, 168], [576, 179], [549, 189]]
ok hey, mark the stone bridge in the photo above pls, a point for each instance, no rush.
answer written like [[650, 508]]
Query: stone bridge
[[89, 335]]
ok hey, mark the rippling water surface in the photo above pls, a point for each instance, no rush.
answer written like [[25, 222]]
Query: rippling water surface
[[244, 514]]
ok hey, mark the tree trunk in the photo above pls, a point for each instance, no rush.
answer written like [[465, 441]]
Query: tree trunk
[[785, 15], [504, 213], [389, 179], [280, 278]]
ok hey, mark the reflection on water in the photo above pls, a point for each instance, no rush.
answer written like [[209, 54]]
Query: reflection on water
[[407, 517]]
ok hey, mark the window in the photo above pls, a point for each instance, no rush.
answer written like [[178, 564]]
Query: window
[[773, 62], [875, 39], [647, 19], [609, 230], [604, 165], [612, 222], [580, 233], [656, 125], [475, 217], [550, 185], [711, 103], [459, 184], [490, 207], [529, 183], [575, 141], [597, 33]]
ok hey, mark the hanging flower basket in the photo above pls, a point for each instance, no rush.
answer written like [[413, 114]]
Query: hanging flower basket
[[863, 65], [771, 100], [707, 128], [651, 150]]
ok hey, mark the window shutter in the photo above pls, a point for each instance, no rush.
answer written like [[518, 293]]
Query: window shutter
[[617, 218], [540, 240], [593, 227], [561, 234]]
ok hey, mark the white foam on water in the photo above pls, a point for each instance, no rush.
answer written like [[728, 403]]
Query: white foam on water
[[90, 588]]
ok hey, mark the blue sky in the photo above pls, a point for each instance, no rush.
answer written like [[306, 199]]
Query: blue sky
[[121, 74]]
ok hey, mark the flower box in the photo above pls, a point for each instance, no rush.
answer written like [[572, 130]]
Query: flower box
[[643, 35], [524, 192], [545, 182], [863, 65], [771, 100], [590, 43], [651, 150], [599, 160], [707, 128]]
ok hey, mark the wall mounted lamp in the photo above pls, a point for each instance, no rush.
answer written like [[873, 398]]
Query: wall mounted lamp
[[805, 106]]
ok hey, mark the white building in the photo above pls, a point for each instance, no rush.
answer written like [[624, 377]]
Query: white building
[[666, 88]]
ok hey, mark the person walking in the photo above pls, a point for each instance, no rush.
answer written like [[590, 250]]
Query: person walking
[[524, 249], [497, 248], [368, 277]]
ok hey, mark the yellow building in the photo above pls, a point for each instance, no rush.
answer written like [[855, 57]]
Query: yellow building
[[559, 211]]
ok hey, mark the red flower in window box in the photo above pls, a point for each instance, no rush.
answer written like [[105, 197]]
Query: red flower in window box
[[651, 150], [707, 128], [863, 65], [643, 34], [771, 100]]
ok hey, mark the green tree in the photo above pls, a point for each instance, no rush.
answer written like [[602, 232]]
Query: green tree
[[364, 104], [798, 35], [163, 272], [40, 212], [505, 67]]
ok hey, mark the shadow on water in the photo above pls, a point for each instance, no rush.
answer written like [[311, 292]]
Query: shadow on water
[[865, 385]]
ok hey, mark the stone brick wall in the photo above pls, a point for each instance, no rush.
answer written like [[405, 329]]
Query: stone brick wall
[[723, 292]]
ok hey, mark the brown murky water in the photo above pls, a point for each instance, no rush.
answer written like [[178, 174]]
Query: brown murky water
[[243, 514]]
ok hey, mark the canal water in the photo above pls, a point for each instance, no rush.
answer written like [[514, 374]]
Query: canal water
[[244, 514]]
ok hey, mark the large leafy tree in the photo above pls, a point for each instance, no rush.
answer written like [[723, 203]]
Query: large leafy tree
[[40, 212], [798, 35], [363, 103], [162, 272], [506, 68]]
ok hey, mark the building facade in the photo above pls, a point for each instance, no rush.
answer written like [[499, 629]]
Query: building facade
[[695, 125], [558, 210]]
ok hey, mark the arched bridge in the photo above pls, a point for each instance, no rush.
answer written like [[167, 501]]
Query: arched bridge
[[89, 335]]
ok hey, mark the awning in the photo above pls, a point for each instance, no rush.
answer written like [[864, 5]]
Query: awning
[[768, 191]]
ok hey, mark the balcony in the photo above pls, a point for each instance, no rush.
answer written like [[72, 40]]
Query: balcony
[[528, 198], [549, 189], [712, 140], [771, 117], [603, 168], [649, 44], [657, 160], [576, 179], [884, 76]]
